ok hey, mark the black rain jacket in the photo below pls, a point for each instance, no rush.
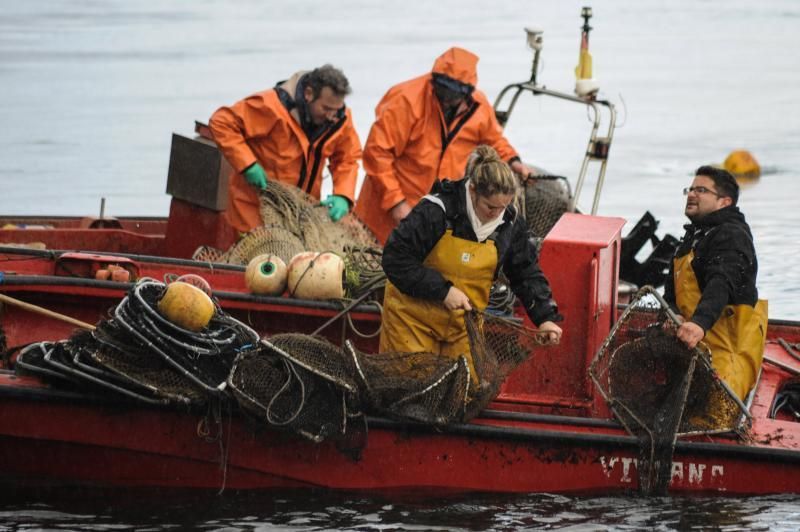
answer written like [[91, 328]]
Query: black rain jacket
[[411, 242], [724, 263]]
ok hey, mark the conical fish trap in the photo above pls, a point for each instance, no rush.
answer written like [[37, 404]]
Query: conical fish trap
[[297, 382], [641, 361], [420, 387]]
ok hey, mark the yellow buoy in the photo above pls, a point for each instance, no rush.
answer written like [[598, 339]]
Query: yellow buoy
[[186, 306], [266, 274], [741, 163], [315, 275]]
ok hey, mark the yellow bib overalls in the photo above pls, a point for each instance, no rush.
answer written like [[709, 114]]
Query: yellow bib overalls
[[736, 340]]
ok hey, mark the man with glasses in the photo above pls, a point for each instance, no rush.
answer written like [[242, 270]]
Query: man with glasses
[[424, 130], [714, 281]]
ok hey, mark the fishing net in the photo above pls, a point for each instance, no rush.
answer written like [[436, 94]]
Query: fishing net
[[293, 222], [658, 388], [546, 199], [271, 239], [299, 383], [291, 208], [209, 254], [498, 345], [306, 384]]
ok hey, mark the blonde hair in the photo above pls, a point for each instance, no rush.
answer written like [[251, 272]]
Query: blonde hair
[[489, 174]]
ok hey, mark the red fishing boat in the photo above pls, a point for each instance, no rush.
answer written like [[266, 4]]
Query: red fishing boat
[[550, 429]]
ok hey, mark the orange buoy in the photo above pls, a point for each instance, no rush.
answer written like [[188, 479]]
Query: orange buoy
[[266, 275], [315, 275], [741, 163], [186, 306]]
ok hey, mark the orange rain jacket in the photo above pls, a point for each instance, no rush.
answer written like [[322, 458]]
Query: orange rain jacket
[[261, 129], [410, 145]]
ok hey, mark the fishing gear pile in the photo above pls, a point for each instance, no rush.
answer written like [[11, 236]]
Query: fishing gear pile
[[292, 221], [307, 384], [142, 355], [659, 389], [157, 349]]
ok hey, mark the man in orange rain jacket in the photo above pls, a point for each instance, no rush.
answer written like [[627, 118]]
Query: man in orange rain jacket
[[424, 130], [287, 134]]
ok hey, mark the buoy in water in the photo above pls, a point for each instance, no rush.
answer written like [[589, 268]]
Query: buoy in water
[[186, 306], [315, 275], [266, 275], [741, 163]]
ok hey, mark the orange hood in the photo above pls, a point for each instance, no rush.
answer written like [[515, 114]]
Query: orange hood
[[459, 64]]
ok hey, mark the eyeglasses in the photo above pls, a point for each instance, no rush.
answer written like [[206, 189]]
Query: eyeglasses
[[700, 190]]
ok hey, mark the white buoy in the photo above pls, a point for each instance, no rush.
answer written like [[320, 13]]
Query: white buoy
[[266, 275], [317, 276]]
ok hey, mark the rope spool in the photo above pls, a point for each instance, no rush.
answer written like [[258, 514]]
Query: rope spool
[[317, 276], [187, 306], [266, 275]]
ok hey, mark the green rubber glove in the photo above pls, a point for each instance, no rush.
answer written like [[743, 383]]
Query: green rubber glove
[[337, 206], [256, 176]]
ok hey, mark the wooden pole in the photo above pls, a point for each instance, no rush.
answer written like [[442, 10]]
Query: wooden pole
[[44, 312]]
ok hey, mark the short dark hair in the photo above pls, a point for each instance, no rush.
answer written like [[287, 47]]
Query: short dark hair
[[328, 76], [723, 180]]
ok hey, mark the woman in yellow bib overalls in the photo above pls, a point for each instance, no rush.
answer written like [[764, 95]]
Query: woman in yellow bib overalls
[[443, 258]]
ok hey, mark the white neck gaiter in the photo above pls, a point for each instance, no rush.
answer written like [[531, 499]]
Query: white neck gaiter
[[482, 230]]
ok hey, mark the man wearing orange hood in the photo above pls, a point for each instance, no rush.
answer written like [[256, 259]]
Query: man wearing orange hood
[[424, 130], [288, 134]]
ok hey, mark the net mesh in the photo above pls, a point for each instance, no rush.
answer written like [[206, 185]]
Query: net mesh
[[301, 214], [274, 383], [546, 199], [293, 222], [271, 239], [658, 388]]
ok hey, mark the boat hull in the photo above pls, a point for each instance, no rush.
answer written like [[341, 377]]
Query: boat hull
[[57, 438]]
